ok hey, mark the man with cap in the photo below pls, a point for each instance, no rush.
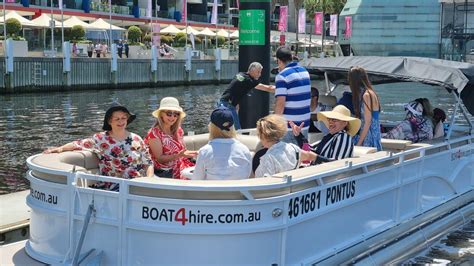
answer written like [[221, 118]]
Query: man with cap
[[293, 92], [240, 86], [224, 157]]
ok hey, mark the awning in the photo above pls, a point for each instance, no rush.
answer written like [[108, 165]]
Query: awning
[[191, 30], [206, 32], [44, 21], [73, 21], [171, 29], [23, 21], [235, 34], [223, 33], [101, 24]]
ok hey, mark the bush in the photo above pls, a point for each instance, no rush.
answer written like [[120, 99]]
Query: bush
[[13, 27], [77, 33], [166, 39], [147, 38], [134, 33], [220, 40]]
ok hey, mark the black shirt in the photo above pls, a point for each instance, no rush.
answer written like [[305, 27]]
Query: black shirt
[[238, 87]]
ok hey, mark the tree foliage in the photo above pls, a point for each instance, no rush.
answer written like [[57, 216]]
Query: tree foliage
[[326, 6], [134, 33], [13, 27], [77, 33]]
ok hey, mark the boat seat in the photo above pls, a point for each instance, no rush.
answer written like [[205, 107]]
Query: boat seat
[[395, 144], [195, 142], [361, 150]]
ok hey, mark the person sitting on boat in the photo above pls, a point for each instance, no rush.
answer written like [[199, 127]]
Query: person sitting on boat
[[339, 143], [121, 153], [439, 117], [224, 157], [165, 140], [366, 105], [415, 127], [280, 156]]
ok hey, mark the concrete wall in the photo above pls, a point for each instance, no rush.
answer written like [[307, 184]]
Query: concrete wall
[[39, 74]]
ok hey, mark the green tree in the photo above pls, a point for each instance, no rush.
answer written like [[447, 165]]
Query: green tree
[[134, 33], [13, 27], [328, 6], [77, 33]]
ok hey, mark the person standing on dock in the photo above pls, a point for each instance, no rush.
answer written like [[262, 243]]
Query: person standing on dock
[[125, 47], [120, 48], [241, 85], [292, 93]]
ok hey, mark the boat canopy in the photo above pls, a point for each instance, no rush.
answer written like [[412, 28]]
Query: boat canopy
[[454, 76]]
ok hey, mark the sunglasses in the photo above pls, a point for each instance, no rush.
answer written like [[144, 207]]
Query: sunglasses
[[171, 113]]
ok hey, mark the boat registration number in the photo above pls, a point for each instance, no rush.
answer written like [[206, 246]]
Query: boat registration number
[[316, 200]]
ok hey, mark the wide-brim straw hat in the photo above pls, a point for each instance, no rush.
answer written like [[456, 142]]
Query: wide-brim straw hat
[[169, 103], [341, 112]]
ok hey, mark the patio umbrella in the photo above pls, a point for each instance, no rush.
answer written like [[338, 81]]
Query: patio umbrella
[[101, 24], [23, 21], [235, 34], [223, 33], [206, 32], [191, 30], [73, 21], [44, 20], [171, 29]]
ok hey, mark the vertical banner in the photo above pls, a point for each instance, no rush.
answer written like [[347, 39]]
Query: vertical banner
[[333, 26], [191, 36], [148, 9], [184, 16], [238, 4], [283, 22], [282, 39], [348, 32], [318, 23], [60, 3], [214, 13], [302, 21]]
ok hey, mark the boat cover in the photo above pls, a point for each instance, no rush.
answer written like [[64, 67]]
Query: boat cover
[[454, 76]]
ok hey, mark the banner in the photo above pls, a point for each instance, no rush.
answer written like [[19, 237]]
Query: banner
[[283, 22], [302, 21], [60, 3], [184, 16], [333, 26], [238, 4], [318, 23], [191, 36], [156, 40], [282, 39], [348, 32], [148, 9], [214, 13]]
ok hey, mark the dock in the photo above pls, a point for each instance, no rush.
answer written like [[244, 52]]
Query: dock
[[14, 217]]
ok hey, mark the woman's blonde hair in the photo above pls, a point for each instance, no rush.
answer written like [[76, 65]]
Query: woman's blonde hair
[[217, 133], [272, 127], [174, 127]]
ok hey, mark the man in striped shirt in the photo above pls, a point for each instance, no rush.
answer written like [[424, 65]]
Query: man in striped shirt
[[292, 93]]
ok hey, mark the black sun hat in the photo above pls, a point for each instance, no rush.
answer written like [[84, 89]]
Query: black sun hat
[[115, 106]]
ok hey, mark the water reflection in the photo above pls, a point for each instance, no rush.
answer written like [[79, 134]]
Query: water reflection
[[29, 123]]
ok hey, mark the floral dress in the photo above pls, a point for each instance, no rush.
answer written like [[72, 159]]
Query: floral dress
[[170, 146], [128, 158], [374, 136]]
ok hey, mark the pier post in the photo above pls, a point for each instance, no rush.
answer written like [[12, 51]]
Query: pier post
[[113, 64], [217, 54], [154, 65], [187, 65], [9, 65], [254, 46], [66, 64]]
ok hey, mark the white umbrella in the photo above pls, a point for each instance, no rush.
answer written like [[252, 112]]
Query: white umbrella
[[73, 21], [206, 32], [223, 33], [191, 30], [44, 21], [171, 29], [235, 34], [101, 24], [23, 21]]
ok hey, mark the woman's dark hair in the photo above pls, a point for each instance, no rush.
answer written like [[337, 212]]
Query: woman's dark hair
[[358, 79], [438, 115], [284, 54]]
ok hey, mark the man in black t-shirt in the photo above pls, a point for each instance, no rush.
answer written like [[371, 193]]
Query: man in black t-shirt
[[242, 83]]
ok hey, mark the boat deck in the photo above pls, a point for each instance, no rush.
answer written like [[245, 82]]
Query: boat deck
[[14, 254]]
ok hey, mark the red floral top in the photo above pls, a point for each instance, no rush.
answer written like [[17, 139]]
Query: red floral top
[[170, 146], [128, 158]]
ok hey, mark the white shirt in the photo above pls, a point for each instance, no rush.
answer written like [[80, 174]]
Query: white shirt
[[223, 159], [279, 158]]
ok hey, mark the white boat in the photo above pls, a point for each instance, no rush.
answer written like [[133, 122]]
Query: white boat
[[339, 212]]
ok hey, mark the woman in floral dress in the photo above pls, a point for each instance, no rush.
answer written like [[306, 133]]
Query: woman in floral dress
[[165, 140], [121, 153]]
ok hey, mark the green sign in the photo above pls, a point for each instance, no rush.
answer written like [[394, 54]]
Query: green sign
[[252, 27]]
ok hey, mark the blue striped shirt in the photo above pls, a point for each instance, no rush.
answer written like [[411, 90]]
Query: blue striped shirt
[[294, 83]]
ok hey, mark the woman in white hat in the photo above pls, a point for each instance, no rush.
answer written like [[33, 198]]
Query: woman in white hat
[[338, 143], [165, 140]]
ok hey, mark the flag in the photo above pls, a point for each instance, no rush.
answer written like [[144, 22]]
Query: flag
[[302, 21], [214, 13], [283, 22], [348, 32], [148, 9], [318, 23], [185, 10], [333, 26], [191, 36], [60, 3], [238, 4]]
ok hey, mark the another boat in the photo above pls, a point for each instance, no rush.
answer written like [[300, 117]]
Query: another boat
[[339, 212]]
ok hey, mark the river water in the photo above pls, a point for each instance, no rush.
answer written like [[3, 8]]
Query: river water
[[29, 123]]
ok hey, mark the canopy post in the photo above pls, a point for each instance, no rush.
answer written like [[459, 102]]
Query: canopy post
[[464, 112], [453, 116]]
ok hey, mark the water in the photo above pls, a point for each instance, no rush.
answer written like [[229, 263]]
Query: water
[[29, 123]]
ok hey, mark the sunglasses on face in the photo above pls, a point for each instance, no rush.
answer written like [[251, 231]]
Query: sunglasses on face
[[171, 113]]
